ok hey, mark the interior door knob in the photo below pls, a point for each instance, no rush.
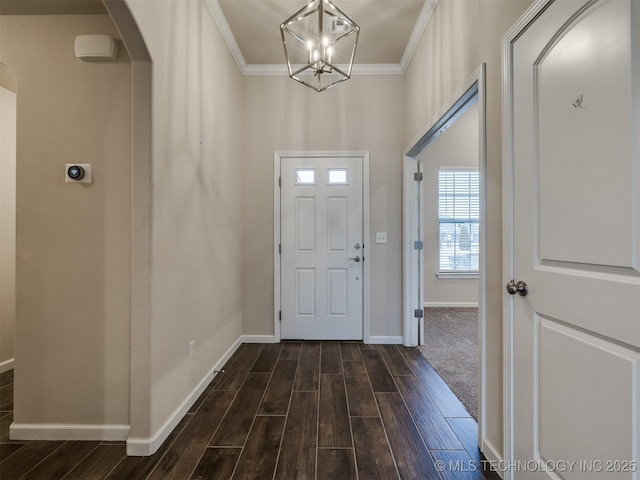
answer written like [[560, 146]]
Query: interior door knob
[[355, 259], [521, 288]]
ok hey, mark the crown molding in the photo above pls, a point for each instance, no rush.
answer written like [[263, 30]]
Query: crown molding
[[377, 69], [358, 69], [419, 29], [269, 69], [227, 34]]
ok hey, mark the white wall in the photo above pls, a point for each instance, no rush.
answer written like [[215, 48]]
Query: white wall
[[363, 114], [198, 163], [461, 35], [7, 221], [73, 251], [457, 146], [74, 327]]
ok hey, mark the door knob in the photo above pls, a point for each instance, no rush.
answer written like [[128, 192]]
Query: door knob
[[521, 288], [355, 259]]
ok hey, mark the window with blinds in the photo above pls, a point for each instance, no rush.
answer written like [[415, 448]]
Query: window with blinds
[[458, 218]]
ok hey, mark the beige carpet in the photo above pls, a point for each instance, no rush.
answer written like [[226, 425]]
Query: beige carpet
[[451, 347]]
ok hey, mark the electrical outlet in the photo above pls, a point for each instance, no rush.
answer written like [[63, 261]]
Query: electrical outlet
[[381, 237], [192, 349]]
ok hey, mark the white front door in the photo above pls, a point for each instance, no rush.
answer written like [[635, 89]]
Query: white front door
[[322, 252], [575, 335]]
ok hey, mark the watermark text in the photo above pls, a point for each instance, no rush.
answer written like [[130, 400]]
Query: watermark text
[[559, 466]]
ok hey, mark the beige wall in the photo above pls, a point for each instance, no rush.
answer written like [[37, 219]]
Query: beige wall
[[198, 165], [73, 241], [363, 114], [7, 216], [461, 35], [213, 138], [457, 146]]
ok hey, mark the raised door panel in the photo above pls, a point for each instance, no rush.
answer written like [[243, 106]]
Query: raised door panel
[[576, 334], [587, 169]]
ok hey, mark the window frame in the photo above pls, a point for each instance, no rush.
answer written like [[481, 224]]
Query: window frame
[[472, 200]]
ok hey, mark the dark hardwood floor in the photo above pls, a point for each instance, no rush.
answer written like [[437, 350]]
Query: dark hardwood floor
[[311, 410]]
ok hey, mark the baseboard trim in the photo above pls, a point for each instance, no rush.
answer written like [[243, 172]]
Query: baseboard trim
[[7, 365], [491, 454], [258, 339], [143, 447], [451, 304], [272, 339], [52, 431], [384, 340]]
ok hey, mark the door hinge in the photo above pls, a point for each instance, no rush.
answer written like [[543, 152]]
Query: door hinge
[[280, 315], [280, 248], [418, 245], [280, 181], [418, 313], [417, 176]]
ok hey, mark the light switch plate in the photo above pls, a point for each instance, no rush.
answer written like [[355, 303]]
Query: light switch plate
[[381, 237]]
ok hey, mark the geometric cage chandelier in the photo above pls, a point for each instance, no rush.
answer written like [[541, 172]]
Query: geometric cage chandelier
[[320, 43]]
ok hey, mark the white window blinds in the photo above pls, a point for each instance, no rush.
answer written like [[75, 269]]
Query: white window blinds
[[458, 215]]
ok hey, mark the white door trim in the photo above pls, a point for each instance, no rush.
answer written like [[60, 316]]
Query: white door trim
[[413, 260], [277, 159], [412, 295], [508, 247]]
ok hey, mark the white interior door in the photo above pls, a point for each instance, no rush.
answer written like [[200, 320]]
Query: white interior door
[[322, 252], [576, 242]]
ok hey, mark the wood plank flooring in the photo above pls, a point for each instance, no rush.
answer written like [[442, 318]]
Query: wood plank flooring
[[294, 410]]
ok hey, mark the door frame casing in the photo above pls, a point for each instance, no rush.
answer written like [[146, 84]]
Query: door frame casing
[[413, 260], [413, 297], [508, 245], [277, 235]]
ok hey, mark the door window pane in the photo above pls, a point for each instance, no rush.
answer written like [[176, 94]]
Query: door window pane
[[305, 176], [338, 176]]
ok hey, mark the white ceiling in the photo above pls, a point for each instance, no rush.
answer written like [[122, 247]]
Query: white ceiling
[[52, 7], [389, 31]]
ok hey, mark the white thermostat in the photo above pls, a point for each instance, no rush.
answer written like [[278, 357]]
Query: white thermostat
[[77, 173]]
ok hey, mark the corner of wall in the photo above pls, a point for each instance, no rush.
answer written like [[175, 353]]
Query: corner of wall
[[145, 446]]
